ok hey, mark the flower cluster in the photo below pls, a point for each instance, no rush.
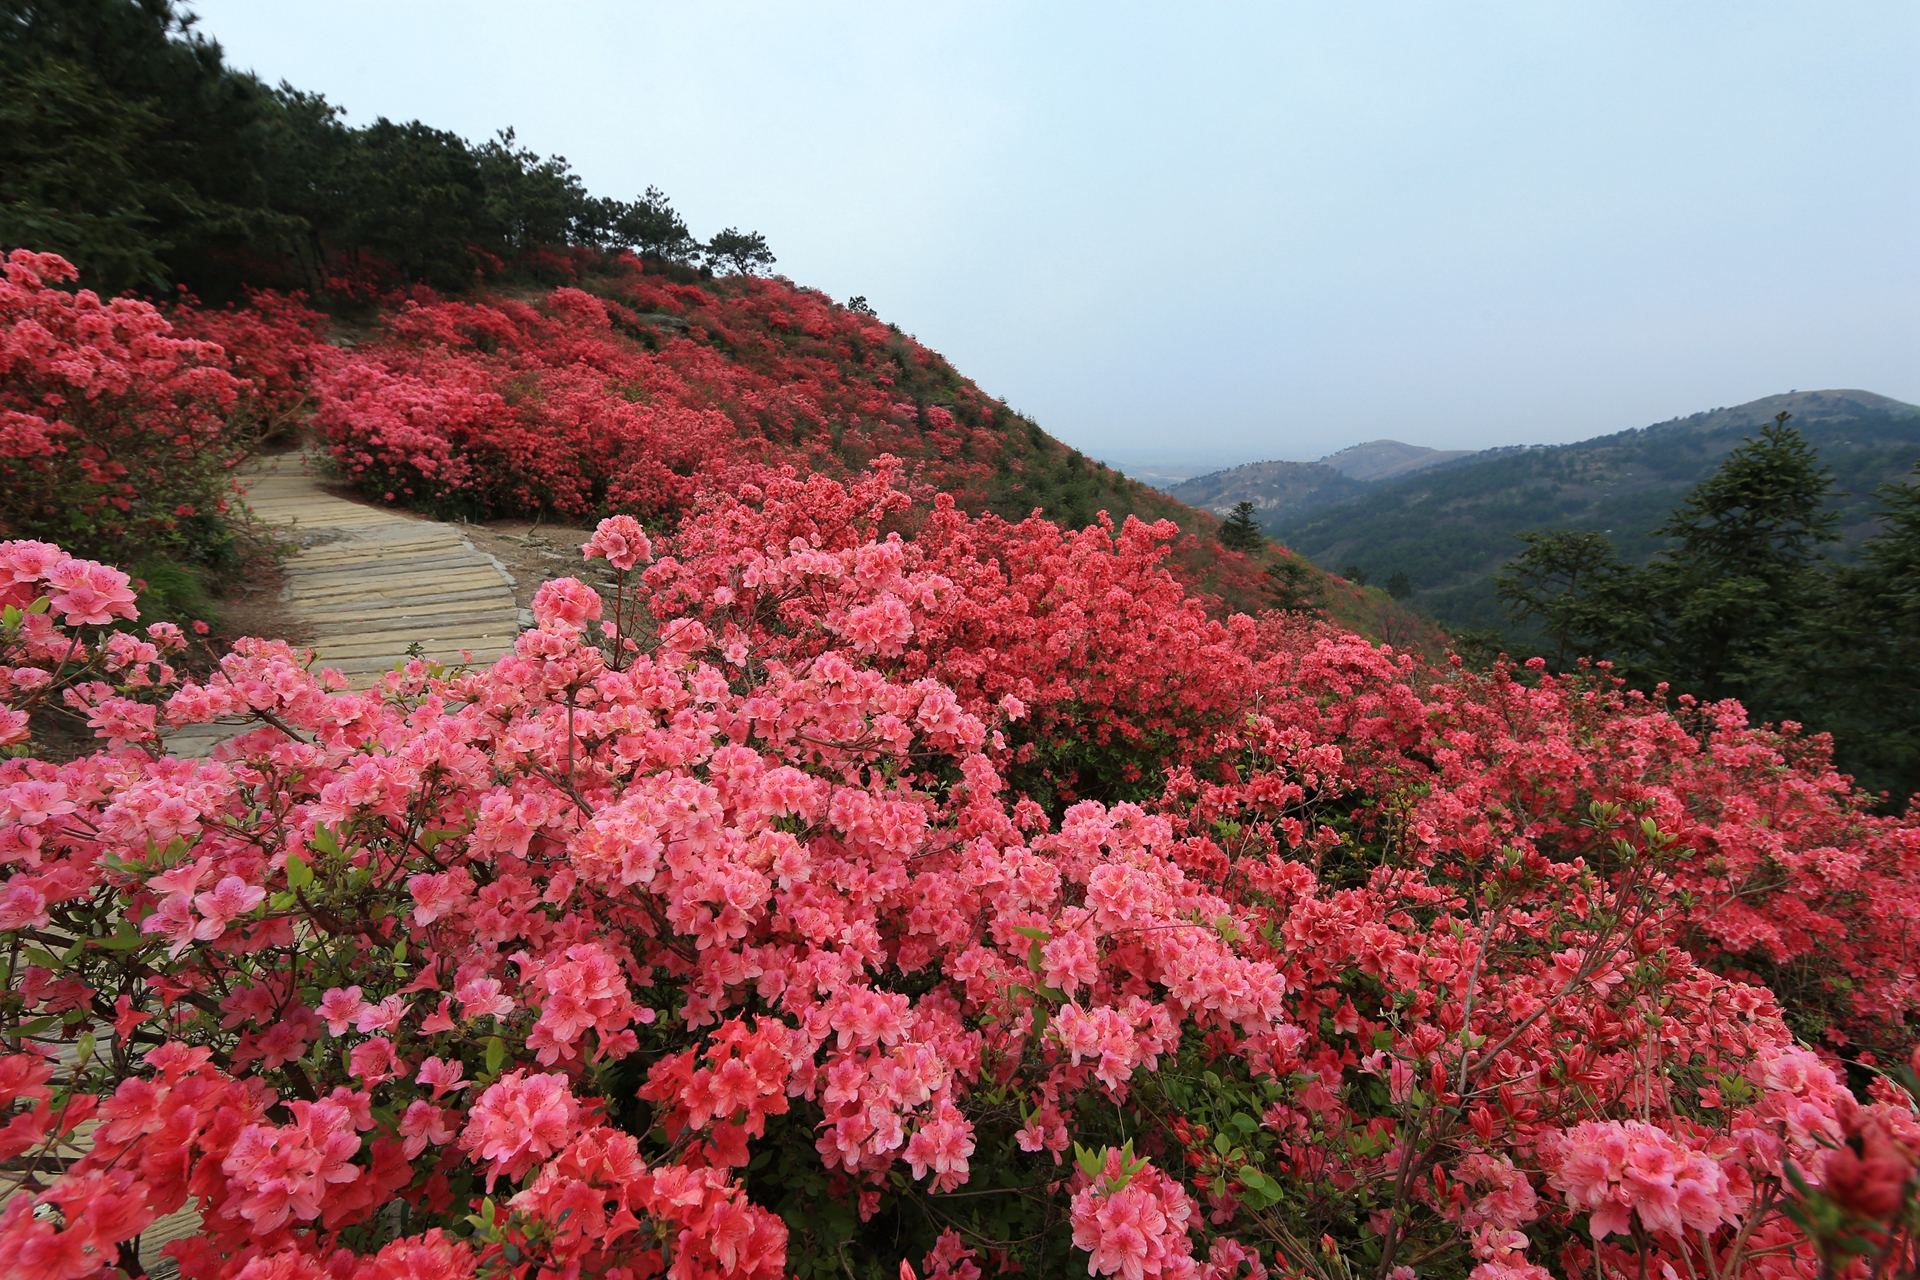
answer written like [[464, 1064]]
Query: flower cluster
[[584, 403], [57, 615]]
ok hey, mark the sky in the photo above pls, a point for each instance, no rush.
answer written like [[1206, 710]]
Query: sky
[[1214, 232]]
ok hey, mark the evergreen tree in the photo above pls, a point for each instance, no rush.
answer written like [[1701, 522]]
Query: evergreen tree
[[742, 252], [1240, 531], [1399, 586], [1292, 585], [1575, 587], [1744, 563], [1851, 665], [129, 146], [651, 228]]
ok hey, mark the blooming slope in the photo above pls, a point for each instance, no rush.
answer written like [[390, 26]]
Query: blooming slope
[[643, 385], [735, 952], [859, 881], [119, 422]]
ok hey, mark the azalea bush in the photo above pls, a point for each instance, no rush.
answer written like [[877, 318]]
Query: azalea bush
[[578, 404], [275, 344], [115, 432], [752, 918]]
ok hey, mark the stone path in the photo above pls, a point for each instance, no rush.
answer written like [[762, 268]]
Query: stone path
[[367, 582]]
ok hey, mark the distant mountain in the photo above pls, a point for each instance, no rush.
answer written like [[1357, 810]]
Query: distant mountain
[[1451, 525], [1385, 459], [1282, 490], [1277, 490]]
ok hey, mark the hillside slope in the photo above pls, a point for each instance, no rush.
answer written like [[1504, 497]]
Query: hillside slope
[[635, 385], [1278, 489], [1450, 528]]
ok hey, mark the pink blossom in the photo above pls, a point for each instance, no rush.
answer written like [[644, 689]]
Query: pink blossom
[[620, 541], [520, 1120]]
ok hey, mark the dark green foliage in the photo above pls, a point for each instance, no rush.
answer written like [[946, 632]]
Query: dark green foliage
[[1742, 567], [130, 148], [1294, 586], [413, 190], [127, 146], [650, 227], [1850, 662], [1741, 604], [1240, 531], [741, 252], [1573, 586], [1399, 585]]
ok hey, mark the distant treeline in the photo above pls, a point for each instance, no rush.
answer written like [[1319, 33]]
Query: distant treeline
[[128, 146]]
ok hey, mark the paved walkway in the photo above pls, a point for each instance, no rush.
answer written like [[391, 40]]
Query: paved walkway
[[367, 582]]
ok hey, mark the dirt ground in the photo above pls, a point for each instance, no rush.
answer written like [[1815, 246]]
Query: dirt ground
[[247, 603], [534, 551]]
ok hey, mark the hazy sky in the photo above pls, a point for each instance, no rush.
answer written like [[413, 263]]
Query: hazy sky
[[1228, 231]]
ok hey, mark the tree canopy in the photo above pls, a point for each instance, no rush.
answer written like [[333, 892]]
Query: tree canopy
[[130, 147]]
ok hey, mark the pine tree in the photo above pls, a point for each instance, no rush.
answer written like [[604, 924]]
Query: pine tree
[[1575, 587], [1744, 563], [743, 252], [1240, 531]]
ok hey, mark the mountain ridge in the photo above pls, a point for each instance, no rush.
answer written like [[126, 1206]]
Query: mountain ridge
[[1285, 487], [1451, 525]]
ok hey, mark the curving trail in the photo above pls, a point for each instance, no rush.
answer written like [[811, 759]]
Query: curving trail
[[367, 582]]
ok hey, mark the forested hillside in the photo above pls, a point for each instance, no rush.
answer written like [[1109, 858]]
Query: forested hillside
[[1451, 527]]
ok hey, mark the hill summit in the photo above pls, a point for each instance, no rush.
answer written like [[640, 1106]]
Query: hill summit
[[1384, 459], [1281, 489]]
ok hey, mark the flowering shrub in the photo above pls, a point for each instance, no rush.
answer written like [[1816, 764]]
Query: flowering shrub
[[708, 933], [505, 407], [275, 345], [114, 429], [56, 615], [1099, 666]]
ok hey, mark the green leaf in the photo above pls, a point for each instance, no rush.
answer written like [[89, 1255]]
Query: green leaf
[[496, 1053], [299, 874], [326, 841], [1033, 931]]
